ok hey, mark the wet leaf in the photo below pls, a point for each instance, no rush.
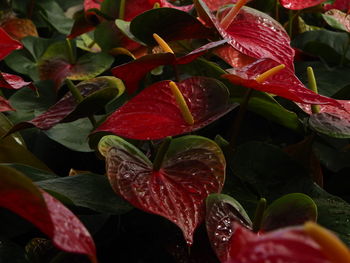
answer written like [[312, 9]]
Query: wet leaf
[[256, 34], [156, 107], [55, 65], [193, 167], [21, 197], [289, 210], [170, 24], [96, 94], [221, 211], [284, 83], [300, 4], [7, 44], [285, 245]]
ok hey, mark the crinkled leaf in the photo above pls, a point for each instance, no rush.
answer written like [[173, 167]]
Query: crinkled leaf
[[281, 246], [96, 94], [329, 124], [284, 83], [91, 191], [193, 168], [257, 35], [221, 211], [133, 72], [21, 197], [289, 210], [337, 19], [169, 23], [55, 65], [155, 107], [300, 4], [7, 44]]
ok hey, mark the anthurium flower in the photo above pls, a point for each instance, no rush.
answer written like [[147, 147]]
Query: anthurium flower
[[156, 107], [343, 5], [5, 105], [7, 44], [284, 83], [300, 4], [10, 81]]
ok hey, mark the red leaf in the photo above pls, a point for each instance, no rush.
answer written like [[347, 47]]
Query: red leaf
[[89, 4], [10, 81], [156, 108], [233, 57], [284, 83], [257, 35], [214, 5], [343, 5], [7, 44], [300, 4], [193, 168], [19, 195], [5, 105], [19, 28], [133, 72], [287, 245]]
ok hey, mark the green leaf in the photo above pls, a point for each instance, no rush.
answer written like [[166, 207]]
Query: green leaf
[[329, 124], [107, 35], [33, 173], [91, 191], [124, 27], [289, 210], [336, 19]]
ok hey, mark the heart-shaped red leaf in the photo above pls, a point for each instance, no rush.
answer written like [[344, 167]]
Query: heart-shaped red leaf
[[284, 83], [19, 195], [233, 57], [221, 211], [5, 105], [193, 167], [10, 81], [287, 245], [133, 72], [300, 4], [156, 108], [255, 34], [7, 44]]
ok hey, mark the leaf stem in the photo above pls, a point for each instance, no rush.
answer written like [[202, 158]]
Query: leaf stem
[[231, 15], [163, 148], [70, 51], [313, 86], [258, 216], [121, 9], [290, 23]]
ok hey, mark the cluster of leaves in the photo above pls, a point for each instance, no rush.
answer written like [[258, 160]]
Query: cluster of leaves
[[91, 98]]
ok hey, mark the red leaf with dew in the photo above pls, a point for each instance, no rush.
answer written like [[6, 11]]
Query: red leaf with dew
[[256, 34], [5, 105], [284, 83], [287, 245], [7, 44], [300, 4], [19, 195], [155, 107], [193, 168]]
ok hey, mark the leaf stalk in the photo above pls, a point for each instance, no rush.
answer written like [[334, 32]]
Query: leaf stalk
[[163, 148], [258, 216]]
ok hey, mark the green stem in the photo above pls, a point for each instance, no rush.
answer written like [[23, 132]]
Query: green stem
[[313, 86], [259, 212], [163, 148], [277, 12], [70, 51], [121, 9], [239, 119], [290, 23]]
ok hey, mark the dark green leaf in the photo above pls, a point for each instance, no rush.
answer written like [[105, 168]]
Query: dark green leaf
[[329, 124]]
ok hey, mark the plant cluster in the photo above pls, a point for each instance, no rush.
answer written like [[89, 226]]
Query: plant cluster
[[174, 131]]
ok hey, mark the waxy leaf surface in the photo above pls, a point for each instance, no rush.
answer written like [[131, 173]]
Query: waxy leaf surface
[[284, 83], [7, 44], [10, 81], [38, 207], [300, 4], [193, 167], [155, 108], [133, 72], [221, 211], [96, 94], [287, 245], [256, 34]]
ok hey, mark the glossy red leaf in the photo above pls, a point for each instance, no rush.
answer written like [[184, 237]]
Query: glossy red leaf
[[233, 57], [221, 211], [10, 81], [343, 112], [89, 4], [288, 245], [343, 5], [5, 105], [256, 34], [133, 72], [214, 5], [19, 195], [300, 4], [284, 83], [156, 108], [193, 167], [7, 44]]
